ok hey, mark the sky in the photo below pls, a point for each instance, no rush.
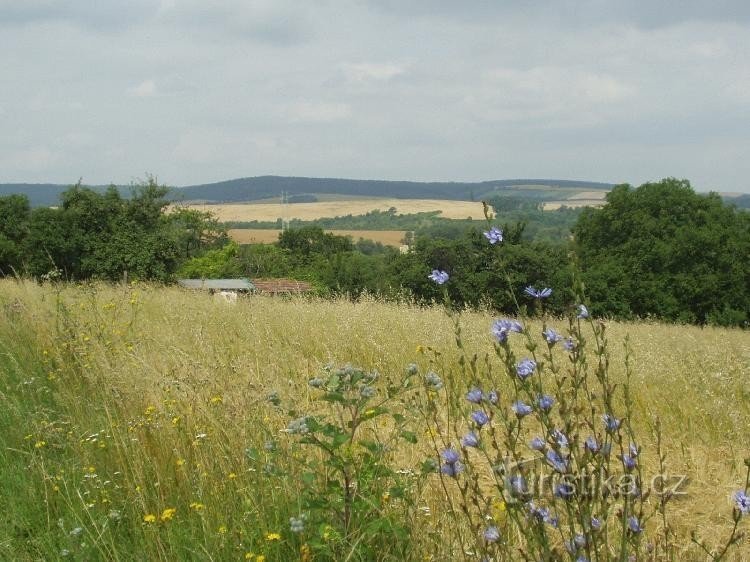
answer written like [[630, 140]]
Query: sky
[[192, 91]]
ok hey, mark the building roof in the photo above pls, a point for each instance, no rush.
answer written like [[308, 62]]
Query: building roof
[[276, 286], [242, 284]]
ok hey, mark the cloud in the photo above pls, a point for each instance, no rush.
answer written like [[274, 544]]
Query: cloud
[[91, 14], [145, 89], [369, 71], [317, 112]]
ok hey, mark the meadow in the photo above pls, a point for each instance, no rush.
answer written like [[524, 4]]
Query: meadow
[[143, 422], [265, 211], [269, 236]]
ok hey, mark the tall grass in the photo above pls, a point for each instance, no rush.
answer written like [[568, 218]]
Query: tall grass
[[135, 421]]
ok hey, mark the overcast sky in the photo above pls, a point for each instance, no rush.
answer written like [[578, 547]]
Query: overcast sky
[[195, 91]]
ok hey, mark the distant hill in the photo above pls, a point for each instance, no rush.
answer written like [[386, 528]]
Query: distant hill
[[270, 187]]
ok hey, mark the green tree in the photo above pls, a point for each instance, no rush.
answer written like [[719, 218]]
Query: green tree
[[14, 223]]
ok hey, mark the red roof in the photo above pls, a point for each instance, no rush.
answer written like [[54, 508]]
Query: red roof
[[286, 286]]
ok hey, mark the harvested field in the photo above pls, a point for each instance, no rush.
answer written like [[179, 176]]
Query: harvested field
[[268, 236]]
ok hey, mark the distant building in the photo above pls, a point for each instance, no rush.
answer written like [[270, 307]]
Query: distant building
[[242, 285]]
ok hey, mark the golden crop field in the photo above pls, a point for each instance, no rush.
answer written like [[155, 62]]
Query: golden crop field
[[136, 421], [323, 209], [268, 236]]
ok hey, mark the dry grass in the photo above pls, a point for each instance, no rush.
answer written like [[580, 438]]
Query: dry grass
[[268, 236], [144, 345], [323, 209]]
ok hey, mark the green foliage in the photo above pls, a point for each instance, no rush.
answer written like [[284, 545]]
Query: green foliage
[[214, 264], [663, 250], [14, 218]]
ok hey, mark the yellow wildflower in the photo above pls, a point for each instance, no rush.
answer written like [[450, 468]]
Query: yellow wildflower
[[260, 558], [168, 513], [305, 553], [249, 556], [149, 518], [222, 530], [39, 444], [197, 506], [232, 476], [180, 462], [216, 400], [273, 537]]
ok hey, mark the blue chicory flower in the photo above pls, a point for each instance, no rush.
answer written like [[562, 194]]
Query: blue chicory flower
[[491, 534], [551, 336], [501, 328], [560, 438], [480, 417], [470, 440], [629, 462], [525, 368], [521, 409], [545, 402], [439, 276], [492, 397], [742, 501], [634, 525], [582, 312], [537, 444], [452, 469], [494, 235], [591, 444], [611, 423], [433, 380], [557, 461], [474, 395], [517, 485], [569, 345], [538, 294], [564, 490], [450, 455]]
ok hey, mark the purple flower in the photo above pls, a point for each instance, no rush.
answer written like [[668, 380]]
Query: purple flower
[[491, 534], [492, 397], [742, 500], [517, 485], [545, 402], [452, 470], [634, 525], [629, 462], [521, 409], [538, 294], [438, 276], [480, 417], [569, 345], [541, 514], [474, 395], [494, 235], [537, 444], [596, 523], [564, 490], [611, 423], [450, 455], [560, 438], [557, 462], [633, 450], [582, 312], [591, 444], [551, 336], [501, 328], [470, 440], [525, 368]]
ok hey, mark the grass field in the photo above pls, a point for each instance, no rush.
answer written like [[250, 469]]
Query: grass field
[[310, 211], [268, 236], [134, 421]]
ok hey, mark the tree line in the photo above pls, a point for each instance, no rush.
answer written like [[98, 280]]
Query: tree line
[[659, 250]]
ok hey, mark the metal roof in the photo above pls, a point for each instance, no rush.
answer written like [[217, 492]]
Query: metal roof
[[242, 284]]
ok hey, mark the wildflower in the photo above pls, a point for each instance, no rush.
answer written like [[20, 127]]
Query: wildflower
[[551, 336], [39, 444], [564, 490], [521, 409], [569, 345], [168, 514], [452, 470], [501, 328], [297, 524], [525, 368], [298, 425], [450, 455], [591, 444], [557, 461], [451, 465], [582, 312], [742, 501], [216, 400], [197, 506], [611, 423], [433, 380], [517, 485], [494, 235], [545, 402], [537, 444], [629, 462], [560, 438], [222, 530], [596, 523], [438, 276], [633, 448], [480, 417], [412, 368], [77, 531], [149, 518], [470, 440], [260, 558], [634, 525], [367, 392], [492, 397], [541, 514], [538, 294], [491, 534], [273, 537], [474, 395]]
